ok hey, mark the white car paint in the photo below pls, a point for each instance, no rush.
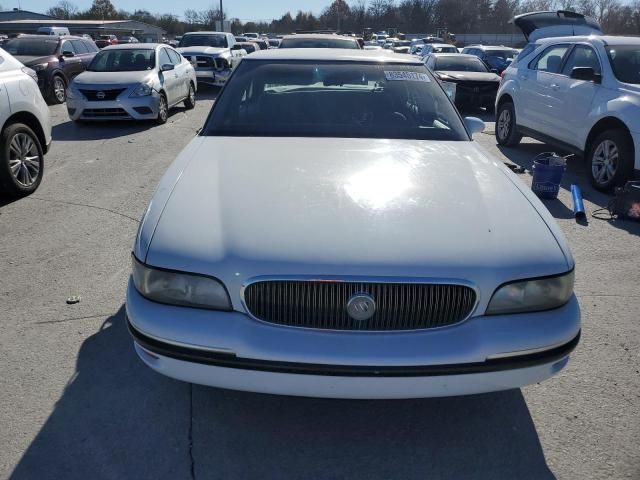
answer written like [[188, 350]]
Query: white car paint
[[218, 75], [244, 208]]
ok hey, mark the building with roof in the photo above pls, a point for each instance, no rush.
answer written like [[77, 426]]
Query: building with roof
[[142, 31], [17, 14]]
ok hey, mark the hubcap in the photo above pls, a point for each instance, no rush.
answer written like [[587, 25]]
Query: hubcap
[[504, 124], [24, 159], [605, 162], [163, 108], [58, 88]]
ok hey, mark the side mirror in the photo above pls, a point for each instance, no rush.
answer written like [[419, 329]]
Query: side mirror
[[167, 66], [67, 54], [586, 73], [495, 70], [474, 125]]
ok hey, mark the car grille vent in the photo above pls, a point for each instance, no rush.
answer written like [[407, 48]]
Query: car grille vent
[[323, 304], [102, 95]]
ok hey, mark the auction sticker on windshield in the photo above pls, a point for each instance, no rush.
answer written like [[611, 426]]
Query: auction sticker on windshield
[[403, 75]]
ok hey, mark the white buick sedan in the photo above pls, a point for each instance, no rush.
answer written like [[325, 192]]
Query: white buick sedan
[[334, 231]]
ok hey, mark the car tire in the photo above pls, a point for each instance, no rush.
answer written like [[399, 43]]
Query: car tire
[[190, 101], [58, 90], [21, 161], [506, 132], [163, 110], [610, 160]]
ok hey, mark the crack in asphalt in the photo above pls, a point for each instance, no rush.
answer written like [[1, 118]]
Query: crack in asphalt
[[83, 205], [191, 459], [100, 315]]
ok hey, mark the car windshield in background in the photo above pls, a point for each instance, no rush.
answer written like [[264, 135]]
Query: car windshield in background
[[318, 43], [625, 62], [31, 47], [457, 64], [445, 50], [502, 54], [325, 99], [204, 41], [123, 60]]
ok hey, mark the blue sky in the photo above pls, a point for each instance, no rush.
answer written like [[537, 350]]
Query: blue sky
[[244, 9]]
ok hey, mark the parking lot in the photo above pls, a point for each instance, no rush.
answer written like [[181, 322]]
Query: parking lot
[[76, 402]]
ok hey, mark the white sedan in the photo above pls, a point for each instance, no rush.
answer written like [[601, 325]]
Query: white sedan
[[334, 231]]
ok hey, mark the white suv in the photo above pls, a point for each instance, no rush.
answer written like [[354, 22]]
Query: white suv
[[580, 93], [25, 129]]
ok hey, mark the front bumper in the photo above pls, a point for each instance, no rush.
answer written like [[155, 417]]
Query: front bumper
[[217, 78], [122, 108], [231, 350]]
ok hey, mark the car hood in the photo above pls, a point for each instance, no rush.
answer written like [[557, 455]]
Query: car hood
[[238, 208], [213, 51], [472, 76], [30, 60], [112, 78], [548, 24]]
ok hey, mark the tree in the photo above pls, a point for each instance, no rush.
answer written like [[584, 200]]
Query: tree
[[63, 10], [336, 13], [102, 10]]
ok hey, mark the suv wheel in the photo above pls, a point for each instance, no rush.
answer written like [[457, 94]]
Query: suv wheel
[[21, 161], [610, 160], [58, 90], [506, 132]]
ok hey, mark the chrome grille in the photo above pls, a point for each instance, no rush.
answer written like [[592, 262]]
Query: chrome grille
[[201, 61], [102, 95], [322, 304]]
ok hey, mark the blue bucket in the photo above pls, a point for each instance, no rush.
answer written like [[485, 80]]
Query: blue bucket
[[548, 169]]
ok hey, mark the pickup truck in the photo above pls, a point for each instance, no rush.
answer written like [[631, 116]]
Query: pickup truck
[[214, 55]]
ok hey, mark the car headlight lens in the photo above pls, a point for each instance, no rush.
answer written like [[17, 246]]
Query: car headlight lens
[[142, 90], [178, 288], [73, 92], [31, 73], [40, 67], [532, 295]]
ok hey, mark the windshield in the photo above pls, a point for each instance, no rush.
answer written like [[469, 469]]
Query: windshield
[[32, 47], [457, 64], [204, 41], [318, 43], [343, 99], [123, 60], [503, 54], [445, 50], [625, 62]]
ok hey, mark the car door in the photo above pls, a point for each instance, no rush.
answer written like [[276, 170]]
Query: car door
[[169, 78], [538, 105], [576, 95], [181, 70], [70, 62]]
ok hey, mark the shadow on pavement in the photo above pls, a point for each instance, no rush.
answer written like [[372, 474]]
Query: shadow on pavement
[[118, 419], [73, 132], [207, 93], [242, 435], [115, 419]]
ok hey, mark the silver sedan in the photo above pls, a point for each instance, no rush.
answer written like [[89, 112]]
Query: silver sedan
[[132, 82]]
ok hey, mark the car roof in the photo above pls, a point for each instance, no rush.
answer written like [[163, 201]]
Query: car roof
[[318, 35], [135, 46], [605, 39], [206, 33], [438, 45], [331, 54], [456, 55]]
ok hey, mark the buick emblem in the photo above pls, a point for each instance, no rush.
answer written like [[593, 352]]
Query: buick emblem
[[100, 95], [361, 307]]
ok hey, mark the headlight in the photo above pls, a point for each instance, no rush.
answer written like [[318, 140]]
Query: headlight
[[142, 90], [40, 67], [532, 295], [177, 288], [31, 73], [73, 92]]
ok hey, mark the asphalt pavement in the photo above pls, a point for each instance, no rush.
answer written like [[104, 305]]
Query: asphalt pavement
[[76, 403]]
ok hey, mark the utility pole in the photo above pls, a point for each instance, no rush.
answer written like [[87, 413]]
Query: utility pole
[[221, 18]]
